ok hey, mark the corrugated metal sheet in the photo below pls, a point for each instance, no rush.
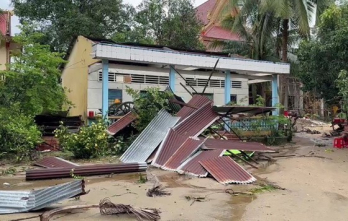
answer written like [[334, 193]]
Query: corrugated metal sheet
[[225, 171], [189, 147], [121, 123], [191, 166], [196, 101], [24, 201], [88, 170], [245, 109], [152, 156], [150, 138], [171, 143], [53, 162], [198, 121], [236, 145]]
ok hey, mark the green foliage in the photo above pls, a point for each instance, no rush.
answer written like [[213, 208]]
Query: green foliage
[[31, 83], [148, 104], [90, 142], [18, 134], [169, 23], [321, 60], [342, 85], [9, 171], [61, 20], [29, 86], [260, 101]]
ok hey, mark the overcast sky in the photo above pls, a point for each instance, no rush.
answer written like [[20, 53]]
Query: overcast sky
[[5, 4]]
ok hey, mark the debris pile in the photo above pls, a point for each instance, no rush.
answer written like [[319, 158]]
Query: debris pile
[[177, 143]]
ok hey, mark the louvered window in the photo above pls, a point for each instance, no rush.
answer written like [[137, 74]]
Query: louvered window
[[137, 78], [236, 84]]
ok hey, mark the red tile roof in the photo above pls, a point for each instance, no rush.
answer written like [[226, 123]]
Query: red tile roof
[[203, 10], [218, 33], [192, 166], [171, 143], [236, 145], [225, 171], [185, 151]]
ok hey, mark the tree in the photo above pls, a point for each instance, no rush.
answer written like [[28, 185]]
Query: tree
[[322, 59], [259, 36], [60, 21], [31, 83], [28, 87], [163, 22]]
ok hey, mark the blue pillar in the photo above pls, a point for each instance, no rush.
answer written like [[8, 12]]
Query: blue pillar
[[172, 78], [227, 87], [227, 95], [105, 88], [275, 94]]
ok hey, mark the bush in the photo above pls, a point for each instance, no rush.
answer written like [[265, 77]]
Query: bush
[[18, 134], [90, 142], [147, 104]]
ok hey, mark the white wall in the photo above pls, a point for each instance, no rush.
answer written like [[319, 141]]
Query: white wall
[[95, 86]]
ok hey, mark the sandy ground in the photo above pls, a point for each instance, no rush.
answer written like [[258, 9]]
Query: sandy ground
[[316, 189]]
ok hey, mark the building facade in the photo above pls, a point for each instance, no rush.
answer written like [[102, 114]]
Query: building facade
[[96, 77]]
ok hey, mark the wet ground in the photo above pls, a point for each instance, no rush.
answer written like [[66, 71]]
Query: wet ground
[[315, 178]]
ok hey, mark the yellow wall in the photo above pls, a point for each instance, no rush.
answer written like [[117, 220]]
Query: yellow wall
[[75, 76], [3, 55]]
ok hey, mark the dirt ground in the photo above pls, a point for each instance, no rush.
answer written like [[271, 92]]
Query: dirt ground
[[315, 180]]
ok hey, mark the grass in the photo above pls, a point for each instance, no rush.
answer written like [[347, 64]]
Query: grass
[[263, 188]]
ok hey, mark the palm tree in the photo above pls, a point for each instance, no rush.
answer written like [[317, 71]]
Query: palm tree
[[297, 13]]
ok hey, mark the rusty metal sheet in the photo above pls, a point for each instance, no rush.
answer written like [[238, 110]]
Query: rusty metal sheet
[[198, 121], [171, 143], [24, 201], [196, 101], [242, 109], [121, 123], [87, 170], [53, 162], [187, 149], [226, 171], [150, 138], [236, 145], [191, 166]]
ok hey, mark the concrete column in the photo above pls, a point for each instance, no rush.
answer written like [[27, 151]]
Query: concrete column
[[105, 88], [275, 93], [172, 78], [227, 87]]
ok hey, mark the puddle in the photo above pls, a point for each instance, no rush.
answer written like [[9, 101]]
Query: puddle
[[239, 204]]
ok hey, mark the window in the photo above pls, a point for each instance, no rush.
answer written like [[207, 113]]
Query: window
[[208, 95], [113, 95], [236, 84], [233, 98], [136, 78]]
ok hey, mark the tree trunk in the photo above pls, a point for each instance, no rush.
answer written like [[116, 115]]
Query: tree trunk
[[283, 84], [285, 35]]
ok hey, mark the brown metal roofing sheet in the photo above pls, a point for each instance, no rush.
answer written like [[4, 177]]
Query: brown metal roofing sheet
[[189, 147], [196, 101], [88, 170], [53, 162], [121, 123], [171, 143], [240, 109], [225, 171], [236, 145], [197, 122], [191, 166]]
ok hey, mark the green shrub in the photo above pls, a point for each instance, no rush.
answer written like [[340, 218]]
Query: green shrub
[[148, 103], [90, 142], [18, 135]]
